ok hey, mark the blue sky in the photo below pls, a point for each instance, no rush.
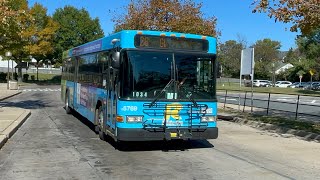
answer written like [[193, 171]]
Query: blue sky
[[234, 18]]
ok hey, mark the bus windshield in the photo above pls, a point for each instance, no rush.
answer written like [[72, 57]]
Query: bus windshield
[[167, 75]]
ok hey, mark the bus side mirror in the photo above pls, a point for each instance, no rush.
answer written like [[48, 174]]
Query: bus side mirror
[[116, 59]]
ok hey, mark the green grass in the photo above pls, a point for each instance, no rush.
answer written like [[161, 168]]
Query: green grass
[[43, 79], [235, 87], [279, 121]]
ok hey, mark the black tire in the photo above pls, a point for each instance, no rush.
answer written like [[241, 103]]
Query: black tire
[[96, 128], [67, 107], [99, 126], [121, 145]]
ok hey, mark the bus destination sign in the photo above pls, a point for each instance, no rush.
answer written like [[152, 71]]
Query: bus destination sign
[[173, 43]]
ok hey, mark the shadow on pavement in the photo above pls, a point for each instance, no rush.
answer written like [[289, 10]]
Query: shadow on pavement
[[26, 104], [85, 121], [166, 146]]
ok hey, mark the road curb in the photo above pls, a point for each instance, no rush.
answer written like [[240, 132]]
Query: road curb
[[273, 128], [3, 140], [13, 127], [7, 97], [225, 117], [280, 130]]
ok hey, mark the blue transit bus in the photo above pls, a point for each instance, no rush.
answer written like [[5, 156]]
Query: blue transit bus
[[144, 85]]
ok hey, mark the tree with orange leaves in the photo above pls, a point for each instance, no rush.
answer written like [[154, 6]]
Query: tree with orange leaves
[[166, 15], [304, 14]]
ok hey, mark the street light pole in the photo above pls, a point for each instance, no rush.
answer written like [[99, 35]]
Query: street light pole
[[8, 55], [12, 78], [273, 74]]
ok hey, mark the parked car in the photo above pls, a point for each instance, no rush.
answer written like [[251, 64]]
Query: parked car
[[261, 83], [316, 87], [298, 85], [294, 85], [283, 84], [310, 85]]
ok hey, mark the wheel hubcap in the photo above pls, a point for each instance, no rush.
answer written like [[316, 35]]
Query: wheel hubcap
[[100, 119], [67, 102]]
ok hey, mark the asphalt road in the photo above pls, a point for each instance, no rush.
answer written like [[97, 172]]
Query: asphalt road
[[54, 145], [308, 107]]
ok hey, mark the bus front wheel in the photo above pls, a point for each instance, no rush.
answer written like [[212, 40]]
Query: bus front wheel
[[99, 121]]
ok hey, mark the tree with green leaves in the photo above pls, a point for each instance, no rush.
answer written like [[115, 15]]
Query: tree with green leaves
[[40, 34], [309, 49], [265, 55], [29, 31], [291, 55], [13, 29], [229, 54], [301, 67], [76, 27], [13, 17], [166, 15], [303, 14]]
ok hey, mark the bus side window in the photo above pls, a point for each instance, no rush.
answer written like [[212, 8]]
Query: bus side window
[[103, 59]]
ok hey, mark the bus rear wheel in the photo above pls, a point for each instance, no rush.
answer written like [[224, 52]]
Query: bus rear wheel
[[99, 121]]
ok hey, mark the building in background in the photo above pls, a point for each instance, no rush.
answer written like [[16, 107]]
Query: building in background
[[4, 65]]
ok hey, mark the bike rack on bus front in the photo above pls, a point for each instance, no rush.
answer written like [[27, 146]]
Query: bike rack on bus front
[[160, 112]]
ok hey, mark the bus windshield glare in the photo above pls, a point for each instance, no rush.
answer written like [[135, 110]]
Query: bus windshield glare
[[166, 75]]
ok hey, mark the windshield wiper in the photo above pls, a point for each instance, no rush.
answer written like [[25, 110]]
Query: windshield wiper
[[162, 91]]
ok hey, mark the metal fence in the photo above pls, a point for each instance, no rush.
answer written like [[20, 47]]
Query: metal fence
[[298, 106], [34, 70]]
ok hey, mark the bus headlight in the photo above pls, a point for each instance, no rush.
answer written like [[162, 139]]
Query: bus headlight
[[208, 118], [134, 119]]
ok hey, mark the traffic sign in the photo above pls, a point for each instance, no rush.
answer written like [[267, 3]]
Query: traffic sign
[[311, 72]]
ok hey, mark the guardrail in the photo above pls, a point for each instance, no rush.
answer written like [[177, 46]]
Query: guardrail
[[299, 104]]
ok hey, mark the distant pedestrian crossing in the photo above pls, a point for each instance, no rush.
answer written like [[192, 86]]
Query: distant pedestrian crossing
[[41, 90]]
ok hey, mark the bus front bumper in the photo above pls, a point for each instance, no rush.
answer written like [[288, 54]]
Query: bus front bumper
[[124, 134]]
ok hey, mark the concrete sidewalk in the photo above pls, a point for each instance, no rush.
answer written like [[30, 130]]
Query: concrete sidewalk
[[5, 94], [11, 118]]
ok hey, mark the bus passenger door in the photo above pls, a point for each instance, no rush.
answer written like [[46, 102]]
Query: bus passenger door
[[112, 99], [76, 90]]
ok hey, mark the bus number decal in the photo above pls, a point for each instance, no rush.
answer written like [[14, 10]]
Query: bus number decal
[[139, 94], [129, 108]]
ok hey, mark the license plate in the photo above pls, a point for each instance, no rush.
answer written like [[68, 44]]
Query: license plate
[[173, 135]]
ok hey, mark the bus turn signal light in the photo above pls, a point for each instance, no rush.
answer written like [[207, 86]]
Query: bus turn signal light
[[119, 119]]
